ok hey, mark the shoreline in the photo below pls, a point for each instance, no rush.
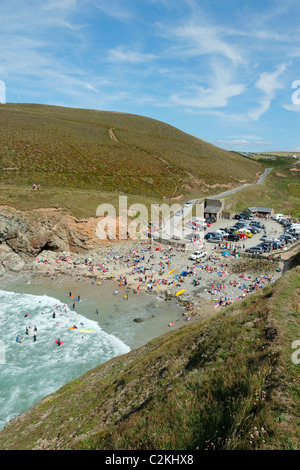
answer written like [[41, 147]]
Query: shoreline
[[149, 274]]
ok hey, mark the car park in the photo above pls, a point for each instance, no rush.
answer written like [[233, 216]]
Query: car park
[[197, 255]]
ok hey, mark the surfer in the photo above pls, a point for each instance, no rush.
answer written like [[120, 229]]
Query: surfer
[[18, 339], [58, 342]]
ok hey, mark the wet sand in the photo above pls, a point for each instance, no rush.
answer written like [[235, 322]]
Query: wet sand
[[115, 314]]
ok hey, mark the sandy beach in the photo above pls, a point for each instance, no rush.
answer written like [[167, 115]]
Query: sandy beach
[[130, 287]]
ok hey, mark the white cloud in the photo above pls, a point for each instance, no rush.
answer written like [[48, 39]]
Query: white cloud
[[244, 142], [199, 39], [220, 88], [120, 54], [268, 83]]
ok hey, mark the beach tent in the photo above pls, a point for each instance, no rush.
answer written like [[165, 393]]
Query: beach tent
[[225, 253], [184, 273]]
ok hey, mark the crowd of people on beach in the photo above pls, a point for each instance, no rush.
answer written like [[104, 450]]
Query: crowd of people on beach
[[156, 268]]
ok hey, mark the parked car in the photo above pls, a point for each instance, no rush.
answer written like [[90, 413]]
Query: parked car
[[288, 236], [179, 212], [222, 233], [244, 232], [238, 216], [188, 204], [212, 235], [233, 237], [247, 216], [258, 224], [214, 240], [277, 216], [255, 249], [198, 255], [211, 219], [241, 224], [265, 246], [190, 236], [189, 224]]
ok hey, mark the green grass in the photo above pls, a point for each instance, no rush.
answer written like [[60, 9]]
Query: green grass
[[226, 382], [280, 190], [69, 150]]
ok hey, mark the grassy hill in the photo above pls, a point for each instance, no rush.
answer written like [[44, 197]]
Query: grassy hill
[[224, 382], [70, 152], [280, 190]]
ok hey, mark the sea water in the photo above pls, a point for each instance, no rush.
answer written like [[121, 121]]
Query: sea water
[[31, 370]]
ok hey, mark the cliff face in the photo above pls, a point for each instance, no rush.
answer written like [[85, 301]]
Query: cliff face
[[26, 234]]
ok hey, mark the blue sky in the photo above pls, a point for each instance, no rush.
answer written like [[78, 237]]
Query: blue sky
[[225, 71]]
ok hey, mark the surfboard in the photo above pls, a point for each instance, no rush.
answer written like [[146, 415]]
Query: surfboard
[[85, 331], [60, 342], [180, 292], [172, 270]]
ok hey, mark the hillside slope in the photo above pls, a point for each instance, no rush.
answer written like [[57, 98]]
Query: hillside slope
[[86, 150], [225, 382]]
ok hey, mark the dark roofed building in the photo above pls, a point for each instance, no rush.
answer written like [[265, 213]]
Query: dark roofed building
[[261, 211], [213, 208]]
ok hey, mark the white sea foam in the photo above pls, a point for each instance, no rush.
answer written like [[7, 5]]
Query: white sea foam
[[33, 370]]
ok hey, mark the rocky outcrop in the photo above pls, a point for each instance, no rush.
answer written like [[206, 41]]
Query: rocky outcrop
[[26, 234]]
